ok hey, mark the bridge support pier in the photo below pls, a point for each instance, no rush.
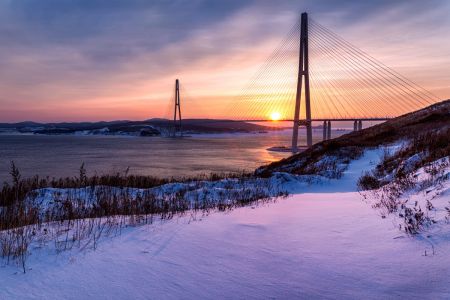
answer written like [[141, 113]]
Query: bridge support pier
[[326, 130], [355, 125], [359, 125], [329, 130]]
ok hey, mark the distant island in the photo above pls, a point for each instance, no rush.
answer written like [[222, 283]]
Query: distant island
[[151, 127]]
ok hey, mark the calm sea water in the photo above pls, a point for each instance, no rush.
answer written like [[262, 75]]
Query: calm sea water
[[57, 156]]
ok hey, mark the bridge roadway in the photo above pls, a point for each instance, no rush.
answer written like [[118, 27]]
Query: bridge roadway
[[314, 120], [357, 124]]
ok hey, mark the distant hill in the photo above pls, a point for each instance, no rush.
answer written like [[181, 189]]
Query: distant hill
[[213, 126], [147, 127]]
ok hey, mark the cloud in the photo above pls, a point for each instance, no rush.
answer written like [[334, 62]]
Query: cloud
[[110, 55]]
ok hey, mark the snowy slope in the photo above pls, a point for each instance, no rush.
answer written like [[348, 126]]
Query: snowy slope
[[323, 242]]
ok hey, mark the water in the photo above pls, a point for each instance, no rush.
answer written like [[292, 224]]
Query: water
[[57, 156], [60, 156]]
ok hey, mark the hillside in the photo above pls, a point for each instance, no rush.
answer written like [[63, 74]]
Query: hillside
[[318, 243], [409, 180], [435, 118]]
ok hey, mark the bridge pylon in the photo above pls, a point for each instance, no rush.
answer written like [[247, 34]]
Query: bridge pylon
[[303, 71], [177, 112]]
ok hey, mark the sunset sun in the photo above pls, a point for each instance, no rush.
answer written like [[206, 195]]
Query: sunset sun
[[275, 116]]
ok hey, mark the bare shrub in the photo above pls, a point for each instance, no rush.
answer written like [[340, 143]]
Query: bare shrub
[[368, 181]]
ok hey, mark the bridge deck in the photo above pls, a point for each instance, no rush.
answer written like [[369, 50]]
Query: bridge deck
[[318, 120]]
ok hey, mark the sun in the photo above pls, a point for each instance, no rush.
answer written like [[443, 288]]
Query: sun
[[275, 116]]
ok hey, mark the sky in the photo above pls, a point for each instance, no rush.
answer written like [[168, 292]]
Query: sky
[[91, 60]]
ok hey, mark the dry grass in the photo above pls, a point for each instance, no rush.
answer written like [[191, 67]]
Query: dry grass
[[83, 209]]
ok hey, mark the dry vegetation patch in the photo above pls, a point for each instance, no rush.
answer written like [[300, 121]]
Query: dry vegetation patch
[[79, 211], [420, 167]]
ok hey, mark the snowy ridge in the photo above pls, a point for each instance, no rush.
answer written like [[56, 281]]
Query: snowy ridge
[[323, 242], [225, 190]]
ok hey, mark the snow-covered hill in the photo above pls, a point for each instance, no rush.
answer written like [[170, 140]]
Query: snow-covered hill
[[322, 242]]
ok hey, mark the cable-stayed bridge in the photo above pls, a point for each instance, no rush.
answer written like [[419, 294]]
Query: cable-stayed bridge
[[316, 75]]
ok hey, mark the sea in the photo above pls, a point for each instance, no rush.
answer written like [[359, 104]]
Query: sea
[[62, 155]]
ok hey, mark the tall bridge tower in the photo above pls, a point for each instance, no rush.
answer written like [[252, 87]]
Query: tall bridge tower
[[346, 84], [177, 112], [303, 71]]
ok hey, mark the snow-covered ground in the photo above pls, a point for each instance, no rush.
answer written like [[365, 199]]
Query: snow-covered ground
[[324, 241]]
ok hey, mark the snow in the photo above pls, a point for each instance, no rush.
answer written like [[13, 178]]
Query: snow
[[319, 184], [194, 192], [430, 194], [322, 242]]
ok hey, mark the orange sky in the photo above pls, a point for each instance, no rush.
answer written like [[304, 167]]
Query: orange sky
[[63, 78]]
